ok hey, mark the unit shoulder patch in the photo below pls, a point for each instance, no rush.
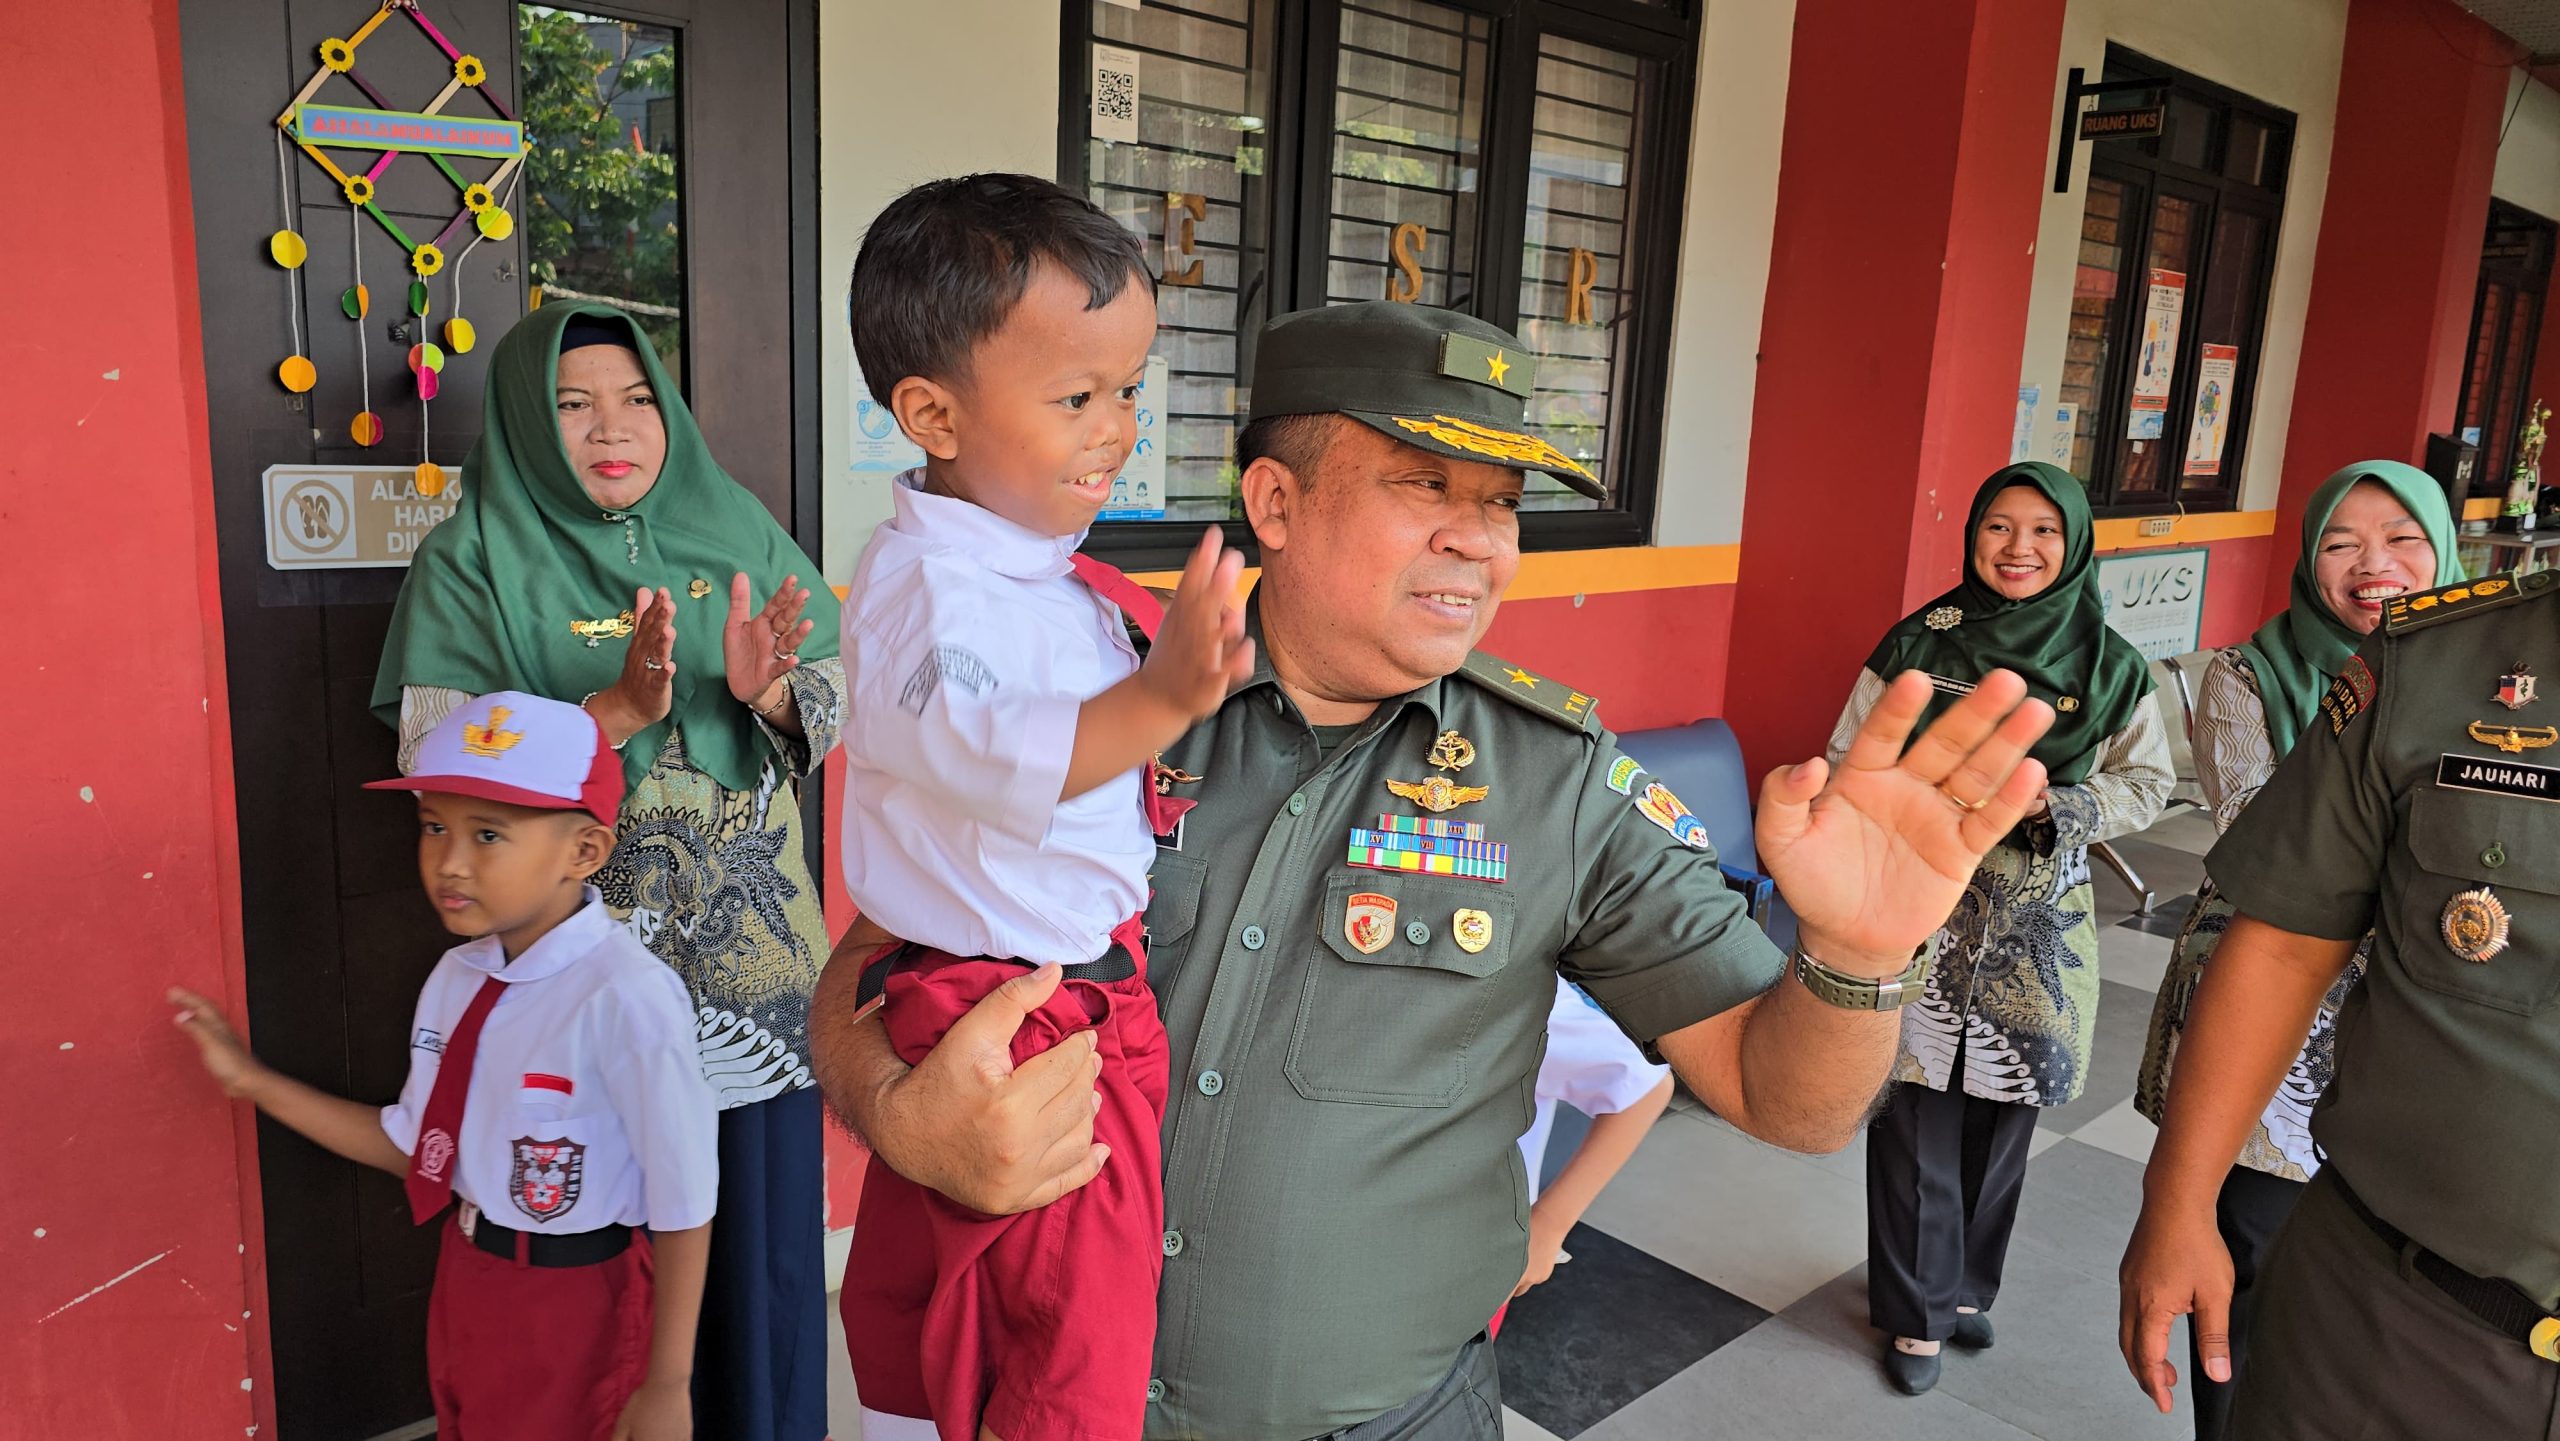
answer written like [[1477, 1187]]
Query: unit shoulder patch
[[2472, 597], [1530, 691], [2348, 695]]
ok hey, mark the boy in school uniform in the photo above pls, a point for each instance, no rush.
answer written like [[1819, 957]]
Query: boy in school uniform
[[1002, 800], [553, 1090]]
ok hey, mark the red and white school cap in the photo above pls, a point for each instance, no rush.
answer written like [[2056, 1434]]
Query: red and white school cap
[[521, 749]]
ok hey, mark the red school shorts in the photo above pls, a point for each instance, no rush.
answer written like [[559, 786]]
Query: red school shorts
[[535, 1353], [1039, 1326]]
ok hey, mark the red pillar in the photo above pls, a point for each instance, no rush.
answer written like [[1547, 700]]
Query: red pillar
[[1917, 148], [133, 1302], [2420, 94]]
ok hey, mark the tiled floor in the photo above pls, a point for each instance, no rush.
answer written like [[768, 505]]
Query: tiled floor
[[1718, 1289]]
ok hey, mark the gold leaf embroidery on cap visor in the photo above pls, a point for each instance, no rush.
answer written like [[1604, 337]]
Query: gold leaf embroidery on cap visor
[[1507, 445]]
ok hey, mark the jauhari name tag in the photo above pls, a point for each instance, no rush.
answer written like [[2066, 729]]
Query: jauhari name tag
[[2505, 778]]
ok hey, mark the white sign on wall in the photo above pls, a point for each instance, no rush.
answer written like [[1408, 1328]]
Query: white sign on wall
[[2155, 599], [347, 517]]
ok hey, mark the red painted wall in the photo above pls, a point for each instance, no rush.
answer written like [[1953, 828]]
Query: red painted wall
[[1651, 657], [1910, 179], [2420, 95], [134, 1299]]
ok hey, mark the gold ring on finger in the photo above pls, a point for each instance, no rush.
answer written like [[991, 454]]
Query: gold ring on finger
[[1964, 805]]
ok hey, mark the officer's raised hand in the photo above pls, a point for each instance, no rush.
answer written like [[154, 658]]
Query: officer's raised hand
[[1874, 854]]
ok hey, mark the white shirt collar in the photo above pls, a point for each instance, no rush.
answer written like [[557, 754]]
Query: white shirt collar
[[985, 537], [555, 952]]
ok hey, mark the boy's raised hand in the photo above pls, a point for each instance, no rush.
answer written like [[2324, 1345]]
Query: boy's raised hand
[[1200, 650], [226, 1058]]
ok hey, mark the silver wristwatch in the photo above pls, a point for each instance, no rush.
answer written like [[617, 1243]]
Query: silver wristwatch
[[1861, 993]]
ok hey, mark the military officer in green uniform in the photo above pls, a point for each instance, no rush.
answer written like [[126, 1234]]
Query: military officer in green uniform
[[1355, 935], [2412, 1292]]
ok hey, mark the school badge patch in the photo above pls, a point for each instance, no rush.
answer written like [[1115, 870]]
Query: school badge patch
[[1369, 922], [546, 1176], [1664, 809], [2348, 695]]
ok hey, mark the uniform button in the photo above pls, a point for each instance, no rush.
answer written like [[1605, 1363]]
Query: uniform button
[[2495, 856], [1418, 933], [1298, 804], [1211, 1083], [1252, 938], [1173, 1243], [1155, 1389]]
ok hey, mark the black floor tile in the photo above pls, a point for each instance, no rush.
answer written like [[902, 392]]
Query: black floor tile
[[2167, 916], [1611, 1325]]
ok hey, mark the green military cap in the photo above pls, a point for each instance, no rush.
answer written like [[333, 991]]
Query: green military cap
[[1438, 379]]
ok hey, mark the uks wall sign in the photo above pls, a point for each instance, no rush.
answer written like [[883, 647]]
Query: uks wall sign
[[2155, 599], [334, 517]]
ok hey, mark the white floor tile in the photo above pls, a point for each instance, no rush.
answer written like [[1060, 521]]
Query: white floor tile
[[1516, 1427], [2134, 958], [1757, 1221], [2122, 1131]]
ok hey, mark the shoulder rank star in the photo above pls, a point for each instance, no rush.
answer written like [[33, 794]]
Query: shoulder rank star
[[2515, 688], [1945, 617], [1439, 793]]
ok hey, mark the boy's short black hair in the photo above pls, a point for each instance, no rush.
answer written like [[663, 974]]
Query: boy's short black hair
[[945, 264]]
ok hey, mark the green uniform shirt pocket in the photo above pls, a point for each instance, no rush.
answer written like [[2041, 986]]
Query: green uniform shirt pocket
[[1393, 1026], [2462, 841], [1173, 910]]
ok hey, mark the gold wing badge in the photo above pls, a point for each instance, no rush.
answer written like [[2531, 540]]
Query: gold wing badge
[[1451, 752], [596, 632]]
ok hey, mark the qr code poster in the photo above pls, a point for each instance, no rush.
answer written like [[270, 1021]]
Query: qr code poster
[[1115, 94]]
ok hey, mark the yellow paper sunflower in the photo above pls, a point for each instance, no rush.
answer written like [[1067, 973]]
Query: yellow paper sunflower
[[337, 55], [426, 260], [469, 70], [476, 198], [359, 189]]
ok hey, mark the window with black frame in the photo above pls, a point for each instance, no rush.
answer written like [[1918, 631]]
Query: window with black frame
[[1520, 160], [2168, 308], [2506, 318]]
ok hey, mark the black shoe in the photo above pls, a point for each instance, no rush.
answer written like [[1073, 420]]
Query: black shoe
[[1973, 1332], [1911, 1375]]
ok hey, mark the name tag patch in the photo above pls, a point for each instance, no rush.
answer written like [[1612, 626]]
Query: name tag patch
[[429, 1040], [2505, 778]]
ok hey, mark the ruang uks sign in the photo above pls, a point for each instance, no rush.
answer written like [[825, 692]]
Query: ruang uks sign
[[2155, 599], [337, 517]]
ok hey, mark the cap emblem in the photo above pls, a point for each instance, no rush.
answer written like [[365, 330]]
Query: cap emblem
[[489, 738]]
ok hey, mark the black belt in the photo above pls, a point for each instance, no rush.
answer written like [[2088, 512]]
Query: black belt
[[575, 1248], [2499, 1304], [1115, 964]]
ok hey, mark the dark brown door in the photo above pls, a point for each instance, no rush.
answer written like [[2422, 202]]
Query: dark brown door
[[722, 260]]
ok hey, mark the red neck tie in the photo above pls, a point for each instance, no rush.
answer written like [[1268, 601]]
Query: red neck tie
[[431, 1164], [1164, 809]]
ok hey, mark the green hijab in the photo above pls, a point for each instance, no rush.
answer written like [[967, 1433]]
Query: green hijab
[[2297, 653], [2058, 638], [490, 599]]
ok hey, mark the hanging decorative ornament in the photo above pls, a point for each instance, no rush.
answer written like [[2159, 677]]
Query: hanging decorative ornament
[[418, 298], [366, 428], [495, 222], [469, 70], [430, 479], [426, 260], [295, 374], [359, 189], [356, 301], [288, 249], [459, 336], [426, 356], [429, 383]]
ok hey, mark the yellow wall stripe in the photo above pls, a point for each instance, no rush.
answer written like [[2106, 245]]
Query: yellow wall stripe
[[2186, 530], [1549, 573]]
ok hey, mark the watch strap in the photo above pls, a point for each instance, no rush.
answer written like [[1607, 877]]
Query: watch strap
[[1861, 993]]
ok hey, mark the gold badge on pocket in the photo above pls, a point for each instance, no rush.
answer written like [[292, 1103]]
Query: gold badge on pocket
[[2475, 925], [1473, 930]]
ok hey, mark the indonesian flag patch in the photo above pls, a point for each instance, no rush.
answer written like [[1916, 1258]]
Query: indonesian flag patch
[[546, 1176]]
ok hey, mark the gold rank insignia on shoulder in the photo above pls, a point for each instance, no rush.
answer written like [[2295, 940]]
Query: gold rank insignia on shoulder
[[2430, 607], [1530, 691], [2514, 740], [596, 632], [2475, 925], [1439, 793]]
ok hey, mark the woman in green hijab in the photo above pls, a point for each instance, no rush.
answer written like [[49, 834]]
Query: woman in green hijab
[[2370, 532], [2005, 1023], [600, 555]]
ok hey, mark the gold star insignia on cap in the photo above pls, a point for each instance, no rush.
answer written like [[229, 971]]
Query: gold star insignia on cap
[[1497, 368]]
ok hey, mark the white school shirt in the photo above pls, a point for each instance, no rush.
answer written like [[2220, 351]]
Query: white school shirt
[[969, 646], [587, 1106], [1590, 1065]]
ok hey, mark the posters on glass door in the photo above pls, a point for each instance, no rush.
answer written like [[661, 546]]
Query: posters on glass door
[[2217, 366], [1137, 493], [2163, 308], [1115, 94]]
